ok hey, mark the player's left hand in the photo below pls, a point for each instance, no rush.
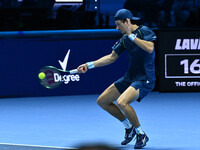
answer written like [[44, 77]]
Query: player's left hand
[[128, 27]]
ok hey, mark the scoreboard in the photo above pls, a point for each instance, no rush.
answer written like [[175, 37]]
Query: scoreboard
[[178, 60]]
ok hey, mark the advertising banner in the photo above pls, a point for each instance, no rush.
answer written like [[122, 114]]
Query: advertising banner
[[178, 60], [22, 58]]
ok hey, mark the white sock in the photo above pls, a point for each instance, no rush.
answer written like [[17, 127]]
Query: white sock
[[127, 123], [139, 130]]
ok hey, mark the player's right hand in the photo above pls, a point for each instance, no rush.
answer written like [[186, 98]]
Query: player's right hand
[[82, 68]]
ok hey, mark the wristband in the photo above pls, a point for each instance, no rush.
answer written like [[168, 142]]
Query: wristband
[[90, 65], [132, 37]]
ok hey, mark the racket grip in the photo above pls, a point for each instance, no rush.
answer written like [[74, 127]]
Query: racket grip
[[73, 71]]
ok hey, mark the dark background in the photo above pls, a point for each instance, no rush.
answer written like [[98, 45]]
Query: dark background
[[90, 14]]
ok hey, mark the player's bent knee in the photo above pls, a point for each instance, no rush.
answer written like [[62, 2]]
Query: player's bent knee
[[121, 103], [100, 102], [103, 102]]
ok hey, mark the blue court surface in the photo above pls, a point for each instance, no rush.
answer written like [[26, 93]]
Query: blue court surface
[[171, 120]]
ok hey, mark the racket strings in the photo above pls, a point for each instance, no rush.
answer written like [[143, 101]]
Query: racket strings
[[49, 80]]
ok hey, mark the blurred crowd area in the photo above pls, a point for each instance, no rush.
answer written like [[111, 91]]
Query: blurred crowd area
[[166, 13], [47, 14]]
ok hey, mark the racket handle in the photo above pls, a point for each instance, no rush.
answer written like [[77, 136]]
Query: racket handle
[[73, 71]]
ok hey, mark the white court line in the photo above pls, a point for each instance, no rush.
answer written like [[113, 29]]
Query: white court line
[[11, 144]]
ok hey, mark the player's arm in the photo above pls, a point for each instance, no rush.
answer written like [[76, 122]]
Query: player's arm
[[145, 45], [103, 61], [106, 60]]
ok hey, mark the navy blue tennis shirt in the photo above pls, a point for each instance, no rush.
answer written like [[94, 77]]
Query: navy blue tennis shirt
[[142, 63]]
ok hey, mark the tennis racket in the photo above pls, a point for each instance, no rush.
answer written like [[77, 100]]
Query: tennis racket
[[53, 76]]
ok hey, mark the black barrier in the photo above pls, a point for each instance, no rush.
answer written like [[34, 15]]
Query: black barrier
[[179, 60], [23, 53]]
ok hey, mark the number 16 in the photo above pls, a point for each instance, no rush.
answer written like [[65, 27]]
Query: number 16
[[194, 67]]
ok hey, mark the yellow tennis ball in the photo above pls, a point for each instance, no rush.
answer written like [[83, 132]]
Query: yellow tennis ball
[[41, 75]]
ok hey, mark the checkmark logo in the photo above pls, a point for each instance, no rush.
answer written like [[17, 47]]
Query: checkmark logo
[[63, 63]]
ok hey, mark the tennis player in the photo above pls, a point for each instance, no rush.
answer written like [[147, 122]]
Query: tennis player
[[138, 81]]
